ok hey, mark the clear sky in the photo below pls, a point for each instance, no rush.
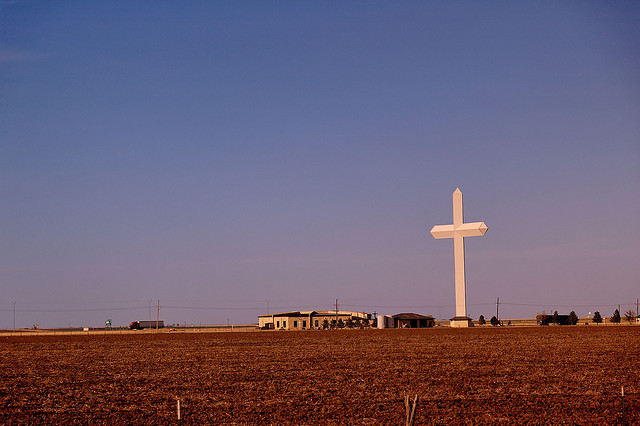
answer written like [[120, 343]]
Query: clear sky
[[215, 155]]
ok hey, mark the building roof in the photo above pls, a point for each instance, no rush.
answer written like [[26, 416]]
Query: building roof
[[313, 313], [410, 316]]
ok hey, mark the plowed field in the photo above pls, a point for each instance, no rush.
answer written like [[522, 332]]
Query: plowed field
[[542, 375]]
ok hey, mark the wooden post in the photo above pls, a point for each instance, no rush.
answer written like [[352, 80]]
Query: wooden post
[[410, 407], [623, 419], [14, 313]]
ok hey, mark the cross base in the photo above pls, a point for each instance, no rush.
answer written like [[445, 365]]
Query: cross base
[[460, 322]]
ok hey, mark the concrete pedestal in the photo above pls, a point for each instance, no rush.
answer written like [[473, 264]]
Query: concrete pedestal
[[460, 322]]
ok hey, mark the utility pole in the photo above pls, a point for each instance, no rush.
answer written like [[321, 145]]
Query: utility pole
[[158, 316], [498, 308], [336, 312], [268, 300], [150, 301], [637, 315], [14, 313]]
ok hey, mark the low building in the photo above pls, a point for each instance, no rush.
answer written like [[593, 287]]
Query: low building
[[411, 320], [307, 320]]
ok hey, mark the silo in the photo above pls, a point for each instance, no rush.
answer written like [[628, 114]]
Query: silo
[[384, 320]]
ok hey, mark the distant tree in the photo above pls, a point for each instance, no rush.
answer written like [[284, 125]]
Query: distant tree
[[357, 323], [340, 323], [494, 321], [374, 322], [596, 317], [349, 323], [481, 320], [629, 315], [556, 318], [334, 323], [365, 322], [573, 318], [616, 316], [325, 324]]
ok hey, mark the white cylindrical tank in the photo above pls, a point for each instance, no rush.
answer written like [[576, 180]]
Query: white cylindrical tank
[[383, 321]]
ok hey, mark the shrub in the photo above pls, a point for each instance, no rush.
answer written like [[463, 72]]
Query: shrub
[[573, 318], [616, 316], [629, 315], [596, 317], [494, 321], [481, 320]]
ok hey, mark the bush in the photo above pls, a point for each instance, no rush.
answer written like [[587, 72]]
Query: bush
[[616, 316], [629, 315], [596, 317], [494, 321], [573, 318], [481, 320]]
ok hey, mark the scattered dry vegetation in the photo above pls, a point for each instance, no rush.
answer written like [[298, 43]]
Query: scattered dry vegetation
[[539, 375]]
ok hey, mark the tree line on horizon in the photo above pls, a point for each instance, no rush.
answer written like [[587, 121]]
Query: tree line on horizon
[[571, 319]]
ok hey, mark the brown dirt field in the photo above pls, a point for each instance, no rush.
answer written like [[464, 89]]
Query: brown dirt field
[[541, 375]]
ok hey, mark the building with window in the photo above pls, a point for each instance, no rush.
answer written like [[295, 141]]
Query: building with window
[[308, 320]]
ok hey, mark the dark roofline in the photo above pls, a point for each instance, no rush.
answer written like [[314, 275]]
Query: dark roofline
[[410, 315]]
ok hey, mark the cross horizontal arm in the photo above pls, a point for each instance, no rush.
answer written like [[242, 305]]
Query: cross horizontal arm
[[474, 229], [442, 231]]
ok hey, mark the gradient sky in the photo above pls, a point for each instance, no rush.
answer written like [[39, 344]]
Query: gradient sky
[[216, 155]]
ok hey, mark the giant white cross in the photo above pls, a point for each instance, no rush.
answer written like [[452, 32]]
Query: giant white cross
[[458, 230]]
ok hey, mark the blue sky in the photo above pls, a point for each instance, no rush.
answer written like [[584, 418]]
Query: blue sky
[[216, 155]]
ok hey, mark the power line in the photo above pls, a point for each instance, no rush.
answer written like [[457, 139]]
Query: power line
[[73, 310], [14, 309]]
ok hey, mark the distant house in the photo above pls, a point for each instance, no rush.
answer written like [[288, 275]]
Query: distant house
[[306, 320], [410, 320]]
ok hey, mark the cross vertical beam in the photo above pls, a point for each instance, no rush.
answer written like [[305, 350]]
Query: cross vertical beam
[[458, 231]]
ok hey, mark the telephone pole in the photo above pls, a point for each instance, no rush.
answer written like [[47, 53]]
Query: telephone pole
[[158, 316], [336, 312], [14, 313], [497, 308]]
